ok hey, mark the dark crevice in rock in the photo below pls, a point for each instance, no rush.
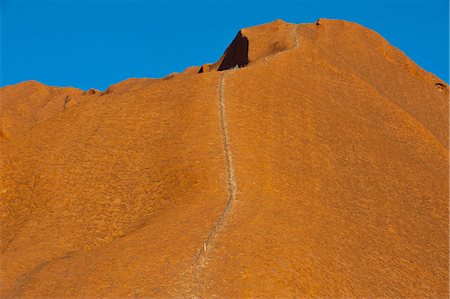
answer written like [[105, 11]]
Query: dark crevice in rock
[[440, 86], [236, 54]]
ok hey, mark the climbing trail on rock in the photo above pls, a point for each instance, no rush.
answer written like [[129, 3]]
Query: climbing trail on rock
[[231, 183], [295, 35]]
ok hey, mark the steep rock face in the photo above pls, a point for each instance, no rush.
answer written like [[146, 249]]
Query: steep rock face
[[318, 169]]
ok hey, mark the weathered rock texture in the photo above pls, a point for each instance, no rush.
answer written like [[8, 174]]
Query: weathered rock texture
[[318, 168]]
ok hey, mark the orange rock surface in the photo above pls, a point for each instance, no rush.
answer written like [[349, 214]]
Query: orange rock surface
[[310, 160]]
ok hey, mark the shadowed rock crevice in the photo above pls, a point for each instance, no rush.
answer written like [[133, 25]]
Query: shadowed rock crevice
[[440, 86], [236, 55]]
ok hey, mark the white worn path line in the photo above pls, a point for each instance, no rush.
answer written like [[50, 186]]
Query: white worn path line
[[231, 182], [226, 141], [295, 35]]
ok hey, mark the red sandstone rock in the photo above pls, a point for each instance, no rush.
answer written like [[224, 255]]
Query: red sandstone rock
[[332, 144]]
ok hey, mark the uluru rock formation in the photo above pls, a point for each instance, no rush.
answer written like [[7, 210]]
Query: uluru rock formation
[[311, 160]]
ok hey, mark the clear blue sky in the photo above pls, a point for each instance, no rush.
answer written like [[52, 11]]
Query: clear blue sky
[[97, 43]]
